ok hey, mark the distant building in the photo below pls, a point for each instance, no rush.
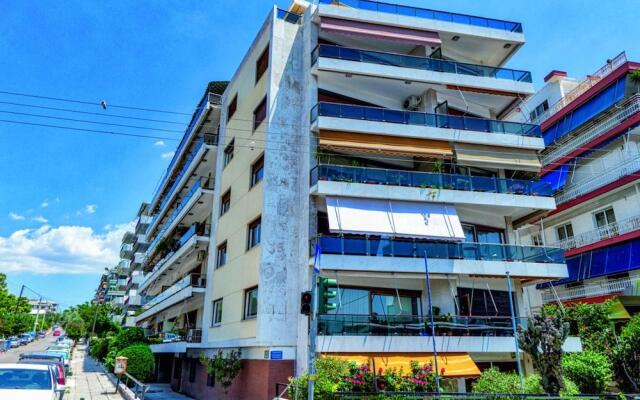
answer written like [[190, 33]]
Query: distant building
[[42, 307]]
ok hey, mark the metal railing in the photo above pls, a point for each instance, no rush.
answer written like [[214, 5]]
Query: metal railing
[[207, 139], [579, 138], [191, 280], [413, 248], [608, 231], [592, 182], [602, 288], [288, 16], [416, 62], [204, 183], [378, 114], [414, 325], [208, 98], [194, 335], [378, 176], [428, 14], [587, 83]]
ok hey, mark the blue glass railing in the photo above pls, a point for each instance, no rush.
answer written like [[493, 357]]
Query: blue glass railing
[[414, 325], [200, 183], [428, 180], [350, 111], [208, 139], [208, 98], [428, 14], [425, 63], [288, 16], [415, 248]]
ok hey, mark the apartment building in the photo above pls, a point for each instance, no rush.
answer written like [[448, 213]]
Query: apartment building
[[377, 134], [591, 129], [42, 307]]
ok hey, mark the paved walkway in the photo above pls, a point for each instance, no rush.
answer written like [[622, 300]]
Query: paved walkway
[[160, 391], [88, 381]]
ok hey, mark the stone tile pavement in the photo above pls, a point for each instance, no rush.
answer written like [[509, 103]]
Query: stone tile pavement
[[88, 380]]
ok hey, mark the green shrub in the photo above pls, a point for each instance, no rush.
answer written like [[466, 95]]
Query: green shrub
[[626, 356], [493, 380], [141, 362], [533, 385], [99, 348], [330, 372], [127, 337], [591, 371]]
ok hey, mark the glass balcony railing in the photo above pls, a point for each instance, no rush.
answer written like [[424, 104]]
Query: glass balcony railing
[[209, 98], [399, 9], [193, 280], [351, 111], [204, 183], [288, 16], [414, 325], [414, 248], [414, 62], [390, 177], [207, 139]]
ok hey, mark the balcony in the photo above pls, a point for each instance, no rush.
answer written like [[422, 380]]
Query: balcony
[[413, 124], [128, 237], [613, 173], [182, 290], [412, 248], [422, 64], [579, 139], [182, 177], [602, 288], [200, 185], [609, 231], [196, 120], [126, 250], [289, 16], [582, 87], [425, 13], [182, 254]]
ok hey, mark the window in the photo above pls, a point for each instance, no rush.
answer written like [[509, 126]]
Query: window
[[257, 171], [604, 217], [221, 259], [251, 303], [217, 313], [192, 369], [539, 110], [211, 380], [231, 108], [228, 152], [262, 63], [260, 113], [253, 234], [564, 232], [536, 239], [225, 202]]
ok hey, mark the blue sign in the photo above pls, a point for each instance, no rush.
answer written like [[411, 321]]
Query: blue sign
[[276, 355]]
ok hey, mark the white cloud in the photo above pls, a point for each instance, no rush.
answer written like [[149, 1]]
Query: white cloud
[[90, 208], [167, 155], [65, 249], [15, 216], [159, 143], [44, 204], [40, 219]]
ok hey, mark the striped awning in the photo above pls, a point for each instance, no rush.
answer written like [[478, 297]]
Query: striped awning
[[497, 157], [382, 144], [380, 32]]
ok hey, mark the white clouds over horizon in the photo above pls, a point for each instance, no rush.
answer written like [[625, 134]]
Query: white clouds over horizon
[[61, 250], [15, 216]]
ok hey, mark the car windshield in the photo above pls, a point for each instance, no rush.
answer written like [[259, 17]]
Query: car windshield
[[16, 378]]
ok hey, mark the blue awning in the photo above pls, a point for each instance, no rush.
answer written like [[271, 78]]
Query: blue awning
[[556, 178]]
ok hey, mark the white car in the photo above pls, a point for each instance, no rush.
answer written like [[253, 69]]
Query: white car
[[29, 382]]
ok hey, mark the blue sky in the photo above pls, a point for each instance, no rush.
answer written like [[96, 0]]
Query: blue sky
[[65, 197]]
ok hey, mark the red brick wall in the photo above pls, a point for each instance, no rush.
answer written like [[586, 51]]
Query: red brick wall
[[256, 381]]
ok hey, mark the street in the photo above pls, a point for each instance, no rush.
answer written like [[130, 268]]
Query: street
[[12, 355]]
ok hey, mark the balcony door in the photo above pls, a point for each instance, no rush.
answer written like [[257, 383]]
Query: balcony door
[[483, 303]]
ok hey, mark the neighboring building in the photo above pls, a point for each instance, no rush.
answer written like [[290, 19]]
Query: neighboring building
[[101, 291], [111, 290], [591, 129], [380, 136], [42, 307]]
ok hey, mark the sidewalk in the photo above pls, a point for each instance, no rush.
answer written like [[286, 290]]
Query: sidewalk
[[160, 391], [88, 381]]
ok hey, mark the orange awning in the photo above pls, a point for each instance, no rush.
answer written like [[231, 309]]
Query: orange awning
[[456, 365], [382, 144]]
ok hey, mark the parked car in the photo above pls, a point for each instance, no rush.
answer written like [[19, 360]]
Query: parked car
[[54, 360], [42, 334], [28, 382], [64, 354], [57, 332], [13, 341], [26, 337]]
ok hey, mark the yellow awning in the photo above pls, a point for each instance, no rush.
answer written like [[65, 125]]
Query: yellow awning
[[497, 157], [456, 365], [382, 144]]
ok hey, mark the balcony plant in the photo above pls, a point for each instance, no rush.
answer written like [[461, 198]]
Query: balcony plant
[[634, 77], [223, 367]]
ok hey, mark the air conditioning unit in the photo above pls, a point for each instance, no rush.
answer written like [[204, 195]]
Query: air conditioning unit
[[413, 103]]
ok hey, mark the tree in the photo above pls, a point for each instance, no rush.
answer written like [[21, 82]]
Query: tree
[[542, 340], [626, 356], [75, 327], [634, 77], [15, 314], [141, 362], [223, 367], [591, 371]]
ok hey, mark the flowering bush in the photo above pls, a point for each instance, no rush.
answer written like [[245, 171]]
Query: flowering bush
[[359, 380]]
